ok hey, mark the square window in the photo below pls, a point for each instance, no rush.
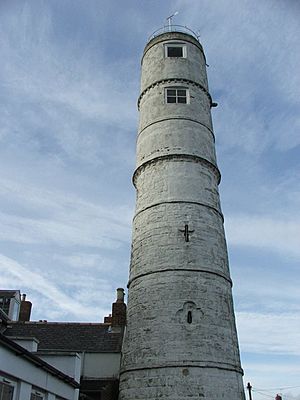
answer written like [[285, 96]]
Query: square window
[[181, 100], [171, 99], [171, 92], [174, 95], [175, 50], [181, 92]]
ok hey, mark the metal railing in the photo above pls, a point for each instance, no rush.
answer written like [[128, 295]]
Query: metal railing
[[174, 28]]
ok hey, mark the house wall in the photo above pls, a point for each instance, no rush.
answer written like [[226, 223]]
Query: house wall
[[101, 365], [30, 344], [25, 374], [68, 363]]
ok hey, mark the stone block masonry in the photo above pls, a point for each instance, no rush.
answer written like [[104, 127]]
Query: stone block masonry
[[180, 341]]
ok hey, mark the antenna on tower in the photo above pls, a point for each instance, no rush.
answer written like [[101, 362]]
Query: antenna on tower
[[169, 19]]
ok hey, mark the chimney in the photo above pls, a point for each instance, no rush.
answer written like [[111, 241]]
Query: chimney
[[120, 295], [25, 309], [119, 310], [107, 320]]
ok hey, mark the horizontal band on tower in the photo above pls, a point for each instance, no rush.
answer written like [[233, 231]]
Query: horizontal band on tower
[[196, 364], [184, 157], [174, 80], [175, 118], [220, 274], [180, 202]]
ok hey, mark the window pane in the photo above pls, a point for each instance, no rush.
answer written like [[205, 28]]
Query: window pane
[[181, 99], [35, 396], [171, 92], [171, 99], [181, 92], [175, 51], [6, 391]]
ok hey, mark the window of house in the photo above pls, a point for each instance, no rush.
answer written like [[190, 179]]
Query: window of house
[[6, 390], [175, 50], [176, 95], [4, 304], [35, 395], [16, 311]]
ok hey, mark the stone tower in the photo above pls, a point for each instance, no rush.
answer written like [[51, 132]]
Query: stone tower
[[181, 340]]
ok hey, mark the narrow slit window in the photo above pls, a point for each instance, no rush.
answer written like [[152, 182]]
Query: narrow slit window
[[174, 95], [189, 317]]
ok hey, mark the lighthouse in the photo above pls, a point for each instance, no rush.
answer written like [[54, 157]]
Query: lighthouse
[[180, 341]]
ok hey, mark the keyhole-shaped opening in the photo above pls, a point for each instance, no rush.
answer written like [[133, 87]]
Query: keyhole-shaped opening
[[189, 317]]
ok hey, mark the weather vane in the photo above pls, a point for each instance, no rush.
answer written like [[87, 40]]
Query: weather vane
[[169, 19]]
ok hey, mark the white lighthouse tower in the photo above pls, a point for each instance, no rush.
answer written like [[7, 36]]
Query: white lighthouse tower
[[181, 340]]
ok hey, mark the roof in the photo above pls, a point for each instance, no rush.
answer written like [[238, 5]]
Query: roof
[[9, 293], [19, 350], [63, 336]]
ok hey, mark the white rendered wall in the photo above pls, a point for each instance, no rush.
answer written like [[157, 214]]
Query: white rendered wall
[[29, 343], [86, 365], [68, 363], [101, 365], [27, 374]]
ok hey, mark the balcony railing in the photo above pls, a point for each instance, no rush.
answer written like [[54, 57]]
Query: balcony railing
[[174, 28]]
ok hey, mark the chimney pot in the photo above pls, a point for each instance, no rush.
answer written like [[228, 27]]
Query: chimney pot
[[120, 295], [119, 309], [23, 297]]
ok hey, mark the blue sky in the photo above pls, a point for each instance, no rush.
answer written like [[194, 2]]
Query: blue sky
[[69, 83]]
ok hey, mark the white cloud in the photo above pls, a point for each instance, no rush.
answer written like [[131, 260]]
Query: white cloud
[[65, 220], [273, 234], [70, 106], [47, 295], [85, 261], [253, 59], [268, 333], [71, 231]]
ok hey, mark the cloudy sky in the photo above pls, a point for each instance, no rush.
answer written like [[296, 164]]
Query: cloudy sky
[[69, 76]]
